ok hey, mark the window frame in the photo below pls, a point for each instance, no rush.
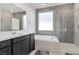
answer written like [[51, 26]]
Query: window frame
[[52, 22]]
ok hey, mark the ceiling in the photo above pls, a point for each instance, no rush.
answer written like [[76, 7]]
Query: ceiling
[[41, 5], [10, 7], [13, 8]]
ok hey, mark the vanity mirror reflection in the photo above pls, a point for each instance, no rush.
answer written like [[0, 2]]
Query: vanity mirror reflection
[[12, 18]]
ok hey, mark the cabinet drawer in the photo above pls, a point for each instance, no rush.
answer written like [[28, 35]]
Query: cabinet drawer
[[4, 43]]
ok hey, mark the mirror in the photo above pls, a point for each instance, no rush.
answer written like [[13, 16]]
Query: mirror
[[12, 18]]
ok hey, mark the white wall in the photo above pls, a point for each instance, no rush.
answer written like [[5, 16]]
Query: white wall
[[31, 13], [76, 23]]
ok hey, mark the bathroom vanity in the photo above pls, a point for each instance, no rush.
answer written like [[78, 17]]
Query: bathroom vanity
[[15, 38], [19, 45]]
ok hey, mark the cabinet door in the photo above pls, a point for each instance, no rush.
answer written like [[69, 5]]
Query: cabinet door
[[17, 48], [5, 51], [25, 47]]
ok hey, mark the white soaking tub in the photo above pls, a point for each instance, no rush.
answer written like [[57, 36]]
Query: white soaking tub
[[46, 38]]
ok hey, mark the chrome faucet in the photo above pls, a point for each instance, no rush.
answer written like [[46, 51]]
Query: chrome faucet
[[14, 33]]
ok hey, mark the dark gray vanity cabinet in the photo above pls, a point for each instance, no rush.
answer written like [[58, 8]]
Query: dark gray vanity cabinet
[[5, 47], [22, 45]]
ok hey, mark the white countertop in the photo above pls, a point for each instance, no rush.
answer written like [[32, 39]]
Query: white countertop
[[8, 34]]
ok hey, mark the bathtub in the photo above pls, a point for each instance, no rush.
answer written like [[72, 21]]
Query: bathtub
[[46, 38]]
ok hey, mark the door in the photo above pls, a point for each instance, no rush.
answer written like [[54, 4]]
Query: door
[[68, 17], [5, 51]]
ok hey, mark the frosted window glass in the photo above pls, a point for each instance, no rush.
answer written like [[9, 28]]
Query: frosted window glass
[[46, 21]]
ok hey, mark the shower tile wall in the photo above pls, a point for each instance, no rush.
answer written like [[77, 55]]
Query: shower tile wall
[[65, 23], [76, 23]]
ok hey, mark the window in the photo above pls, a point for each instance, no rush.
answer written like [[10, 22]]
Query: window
[[45, 22], [24, 22]]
